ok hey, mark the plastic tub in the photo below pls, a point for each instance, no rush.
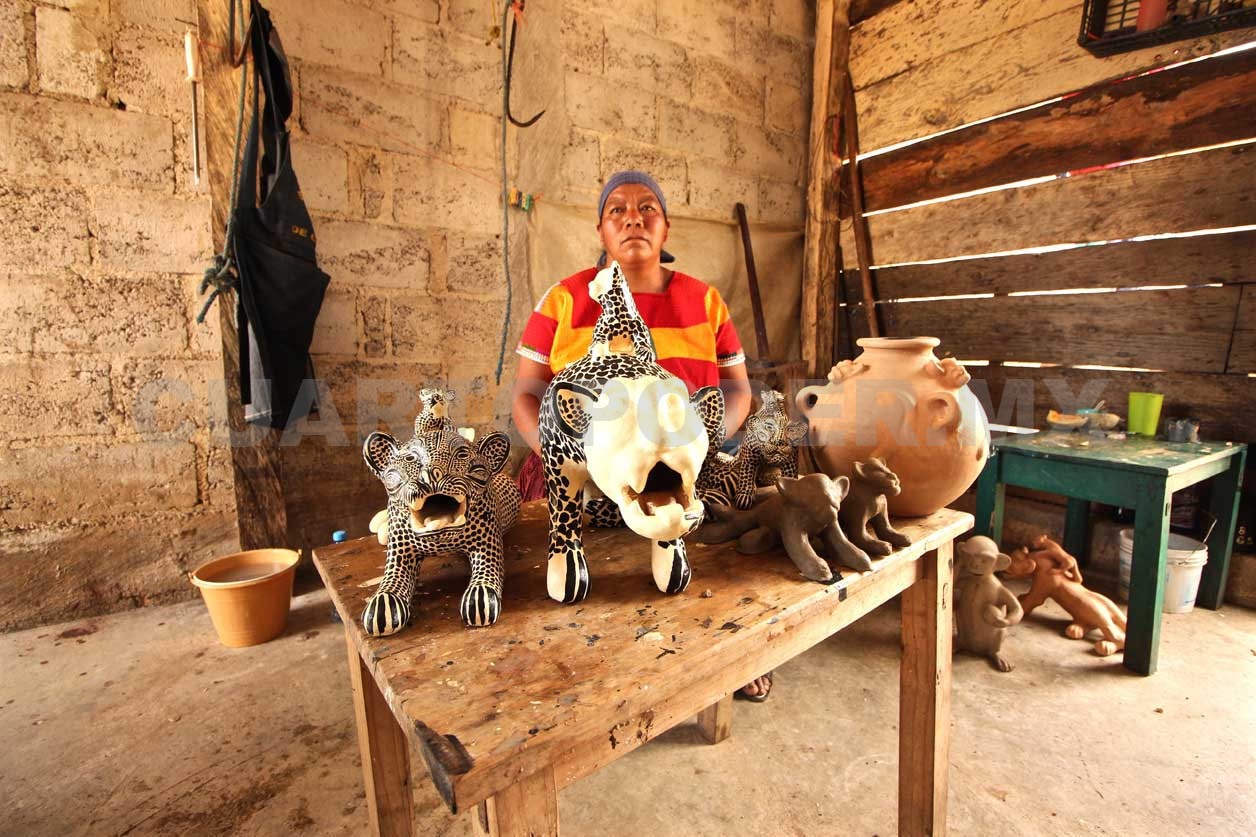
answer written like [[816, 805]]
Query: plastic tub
[[1184, 564], [248, 594]]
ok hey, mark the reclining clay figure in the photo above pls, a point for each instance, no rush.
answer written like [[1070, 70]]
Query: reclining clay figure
[[1056, 576], [984, 608], [792, 511]]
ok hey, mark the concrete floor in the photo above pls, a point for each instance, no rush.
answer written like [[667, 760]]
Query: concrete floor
[[140, 723]]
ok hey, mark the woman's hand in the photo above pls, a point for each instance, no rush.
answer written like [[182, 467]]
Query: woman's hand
[[531, 379]]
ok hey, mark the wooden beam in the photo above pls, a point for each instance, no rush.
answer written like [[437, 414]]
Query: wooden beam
[[716, 721], [1200, 104], [1169, 261], [528, 808], [861, 10], [260, 509], [1206, 190], [1184, 330]]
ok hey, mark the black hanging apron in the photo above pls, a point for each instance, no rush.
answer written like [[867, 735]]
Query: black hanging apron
[[281, 286]]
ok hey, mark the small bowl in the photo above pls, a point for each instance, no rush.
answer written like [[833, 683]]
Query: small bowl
[[1104, 421]]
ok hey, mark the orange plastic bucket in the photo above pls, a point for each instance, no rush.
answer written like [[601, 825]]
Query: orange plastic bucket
[[248, 594]]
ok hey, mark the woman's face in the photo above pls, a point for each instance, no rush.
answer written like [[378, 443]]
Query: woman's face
[[633, 227]]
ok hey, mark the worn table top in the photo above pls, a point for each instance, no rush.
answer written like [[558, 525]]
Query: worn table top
[[577, 686], [1138, 453]]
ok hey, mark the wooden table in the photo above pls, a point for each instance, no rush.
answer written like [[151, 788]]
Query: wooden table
[[1135, 473], [506, 716]]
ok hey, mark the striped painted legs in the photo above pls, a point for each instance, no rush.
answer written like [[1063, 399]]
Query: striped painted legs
[[482, 601], [670, 565], [385, 614], [567, 574]]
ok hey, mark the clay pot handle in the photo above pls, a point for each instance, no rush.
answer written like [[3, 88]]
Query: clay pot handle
[[807, 397], [941, 409]]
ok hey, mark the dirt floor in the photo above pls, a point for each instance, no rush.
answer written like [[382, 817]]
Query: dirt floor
[[140, 723]]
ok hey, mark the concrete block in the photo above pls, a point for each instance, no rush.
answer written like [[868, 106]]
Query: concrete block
[[14, 69], [378, 395], [70, 56], [128, 315], [794, 18], [445, 62], [424, 10], [788, 108], [372, 254], [696, 132], [373, 316], [474, 266], [323, 172], [164, 399], [701, 27], [600, 105], [474, 18], [336, 34], [428, 193], [42, 228], [423, 330], [71, 571], [171, 15], [782, 202], [336, 331], [369, 183], [722, 87], [667, 167], [216, 474], [582, 41], [48, 139], [714, 190], [642, 61], [779, 56], [581, 161], [59, 483], [56, 396], [204, 339], [638, 14], [346, 107], [149, 72], [768, 153], [475, 139], [146, 231]]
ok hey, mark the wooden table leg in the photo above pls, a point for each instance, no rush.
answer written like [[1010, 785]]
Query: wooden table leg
[[990, 500], [1224, 506], [1151, 538], [1077, 529], [528, 808], [716, 721], [385, 753], [924, 707]]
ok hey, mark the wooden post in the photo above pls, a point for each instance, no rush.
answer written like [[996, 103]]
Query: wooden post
[[1147, 573], [261, 512], [1077, 529], [1224, 506], [925, 697], [385, 753], [716, 721], [528, 808]]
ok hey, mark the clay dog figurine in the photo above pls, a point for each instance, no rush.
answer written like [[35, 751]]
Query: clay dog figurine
[[1056, 576], [870, 483], [984, 608], [766, 453], [445, 494], [791, 512], [619, 419]]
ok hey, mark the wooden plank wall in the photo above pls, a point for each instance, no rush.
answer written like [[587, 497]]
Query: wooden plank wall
[[1095, 237]]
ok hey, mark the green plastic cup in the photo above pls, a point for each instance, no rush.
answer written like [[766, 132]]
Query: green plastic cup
[[1144, 416]]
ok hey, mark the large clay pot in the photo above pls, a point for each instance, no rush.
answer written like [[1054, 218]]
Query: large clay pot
[[899, 402]]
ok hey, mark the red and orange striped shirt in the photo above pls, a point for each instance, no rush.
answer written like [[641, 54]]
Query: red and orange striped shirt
[[692, 330]]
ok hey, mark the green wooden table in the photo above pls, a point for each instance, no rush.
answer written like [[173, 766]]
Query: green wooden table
[[1136, 473]]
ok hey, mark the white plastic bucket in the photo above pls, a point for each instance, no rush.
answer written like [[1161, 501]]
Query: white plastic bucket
[[1184, 564]]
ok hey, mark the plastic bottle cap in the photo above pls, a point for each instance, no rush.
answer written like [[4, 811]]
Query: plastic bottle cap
[[339, 536]]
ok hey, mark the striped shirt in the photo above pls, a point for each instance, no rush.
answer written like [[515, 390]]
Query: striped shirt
[[692, 330]]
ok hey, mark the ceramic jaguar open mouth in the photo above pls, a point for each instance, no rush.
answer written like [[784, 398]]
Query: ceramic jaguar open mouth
[[663, 486], [437, 511]]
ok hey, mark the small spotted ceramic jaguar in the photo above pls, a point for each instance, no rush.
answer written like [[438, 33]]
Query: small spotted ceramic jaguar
[[619, 419], [445, 494], [767, 452]]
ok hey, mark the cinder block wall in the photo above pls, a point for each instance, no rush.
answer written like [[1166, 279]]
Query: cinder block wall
[[113, 483], [109, 497]]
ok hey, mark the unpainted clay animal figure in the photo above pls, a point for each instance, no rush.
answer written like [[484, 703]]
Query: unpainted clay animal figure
[[1056, 576], [870, 483], [617, 418], [767, 452], [791, 512], [984, 608], [445, 494]]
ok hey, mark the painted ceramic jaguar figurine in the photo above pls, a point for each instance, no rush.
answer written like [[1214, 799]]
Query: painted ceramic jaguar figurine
[[445, 494], [767, 453], [618, 418]]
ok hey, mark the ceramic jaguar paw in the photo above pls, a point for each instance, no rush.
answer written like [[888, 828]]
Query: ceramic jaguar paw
[[385, 614], [481, 605]]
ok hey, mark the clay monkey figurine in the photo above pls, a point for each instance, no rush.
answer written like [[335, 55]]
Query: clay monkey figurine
[[790, 512], [984, 608], [1056, 576], [870, 483]]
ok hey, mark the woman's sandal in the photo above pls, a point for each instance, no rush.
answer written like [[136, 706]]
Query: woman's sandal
[[740, 694]]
